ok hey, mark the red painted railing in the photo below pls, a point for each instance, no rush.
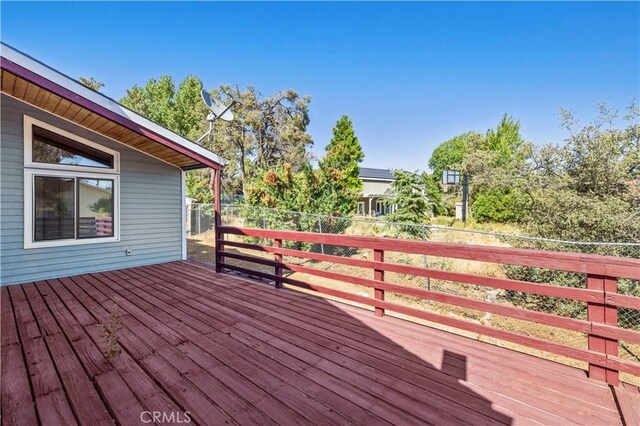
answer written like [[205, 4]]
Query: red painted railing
[[600, 294]]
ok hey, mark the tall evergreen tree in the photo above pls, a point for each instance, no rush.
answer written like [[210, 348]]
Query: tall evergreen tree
[[410, 197], [340, 170]]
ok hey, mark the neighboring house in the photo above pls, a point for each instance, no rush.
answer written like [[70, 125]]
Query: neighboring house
[[375, 192], [86, 184]]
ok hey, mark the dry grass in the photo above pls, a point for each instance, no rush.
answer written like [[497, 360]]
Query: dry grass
[[202, 246]]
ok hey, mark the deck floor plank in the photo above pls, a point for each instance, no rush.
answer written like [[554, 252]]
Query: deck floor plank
[[629, 400], [343, 386], [228, 350], [388, 361], [9, 335], [85, 349], [554, 403]]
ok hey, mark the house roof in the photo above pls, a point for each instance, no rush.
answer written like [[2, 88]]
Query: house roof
[[381, 174], [36, 83]]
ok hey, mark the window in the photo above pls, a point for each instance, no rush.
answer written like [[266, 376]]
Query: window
[[71, 188], [50, 148], [360, 208], [382, 208]]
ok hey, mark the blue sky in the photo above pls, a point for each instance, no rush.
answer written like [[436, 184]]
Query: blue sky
[[410, 75]]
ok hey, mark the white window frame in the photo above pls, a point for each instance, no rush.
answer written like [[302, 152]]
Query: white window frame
[[29, 122], [32, 169]]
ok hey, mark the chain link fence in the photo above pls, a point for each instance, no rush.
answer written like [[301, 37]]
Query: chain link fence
[[200, 227]]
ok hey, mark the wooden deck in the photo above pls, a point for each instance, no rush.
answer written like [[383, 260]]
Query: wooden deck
[[220, 349]]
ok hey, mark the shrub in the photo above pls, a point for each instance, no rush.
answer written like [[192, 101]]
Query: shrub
[[496, 205]]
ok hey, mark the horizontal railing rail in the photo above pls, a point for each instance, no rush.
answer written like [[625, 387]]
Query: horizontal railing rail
[[600, 294]]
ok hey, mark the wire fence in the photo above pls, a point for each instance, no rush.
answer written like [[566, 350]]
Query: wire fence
[[201, 222]]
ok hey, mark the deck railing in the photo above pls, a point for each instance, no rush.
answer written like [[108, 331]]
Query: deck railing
[[600, 295]]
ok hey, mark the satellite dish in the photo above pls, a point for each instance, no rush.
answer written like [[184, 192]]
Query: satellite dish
[[234, 97], [217, 108]]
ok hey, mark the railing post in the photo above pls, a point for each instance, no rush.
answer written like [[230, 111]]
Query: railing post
[[218, 219], [378, 274], [605, 314], [277, 243]]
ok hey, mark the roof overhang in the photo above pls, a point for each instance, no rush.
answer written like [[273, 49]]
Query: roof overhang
[[37, 84]]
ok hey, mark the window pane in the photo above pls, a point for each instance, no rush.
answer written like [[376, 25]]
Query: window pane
[[51, 148], [95, 208], [53, 208]]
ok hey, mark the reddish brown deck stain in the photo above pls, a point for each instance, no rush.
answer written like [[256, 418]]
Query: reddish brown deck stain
[[219, 349]]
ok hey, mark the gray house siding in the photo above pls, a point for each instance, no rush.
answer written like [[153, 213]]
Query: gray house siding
[[150, 209]]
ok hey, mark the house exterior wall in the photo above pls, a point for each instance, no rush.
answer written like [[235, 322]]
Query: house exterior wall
[[150, 209], [373, 190], [375, 187]]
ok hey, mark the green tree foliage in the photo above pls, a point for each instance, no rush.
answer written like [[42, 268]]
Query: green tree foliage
[[588, 190], [340, 170], [410, 197], [505, 141], [91, 83], [266, 131], [450, 154], [497, 205], [491, 161]]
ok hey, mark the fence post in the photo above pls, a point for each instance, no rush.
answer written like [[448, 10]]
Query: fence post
[[198, 216], [378, 274], [606, 314], [277, 243], [320, 229], [427, 282]]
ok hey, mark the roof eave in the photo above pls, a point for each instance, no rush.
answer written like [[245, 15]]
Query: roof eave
[[64, 86]]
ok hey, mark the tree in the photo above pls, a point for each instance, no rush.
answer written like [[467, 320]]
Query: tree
[[265, 132], [340, 170], [154, 101], [584, 190], [449, 154], [409, 195], [505, 140], [587, 189], [493, 161], [91, 83]]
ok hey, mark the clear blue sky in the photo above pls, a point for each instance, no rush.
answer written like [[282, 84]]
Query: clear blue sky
[[410, 75]]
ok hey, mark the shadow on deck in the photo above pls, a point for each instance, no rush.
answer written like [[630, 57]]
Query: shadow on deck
[[217, 349]]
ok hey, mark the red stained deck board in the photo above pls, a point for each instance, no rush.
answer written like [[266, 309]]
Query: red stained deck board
[[45, 319], [226, 348], [85, 401], [488, 349], [358, 342], [549, 402], [424, 390], [628, 397], [54, 409], [42, 371], [122, 402], [186, 394], [17, 400], [9, 335], [27, 325], [84, 348]]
